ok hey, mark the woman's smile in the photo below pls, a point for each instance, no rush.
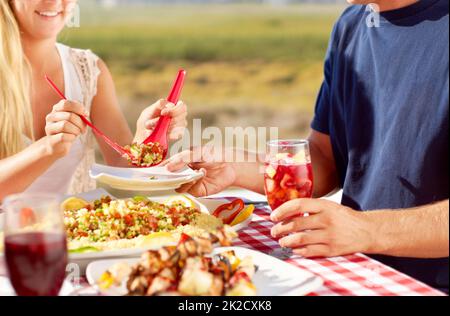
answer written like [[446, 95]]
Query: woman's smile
[[49, 14]]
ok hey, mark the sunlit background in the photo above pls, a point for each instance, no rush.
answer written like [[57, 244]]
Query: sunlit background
[[250, 63]]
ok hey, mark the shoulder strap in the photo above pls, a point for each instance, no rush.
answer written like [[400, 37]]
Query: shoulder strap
[[86, 65]]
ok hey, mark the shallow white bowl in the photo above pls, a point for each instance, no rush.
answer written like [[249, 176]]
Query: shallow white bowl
[[141, 179]]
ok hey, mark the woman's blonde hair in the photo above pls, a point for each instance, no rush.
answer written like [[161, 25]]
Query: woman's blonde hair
[[16, 118]]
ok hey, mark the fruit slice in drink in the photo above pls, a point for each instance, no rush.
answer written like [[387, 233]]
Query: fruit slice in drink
[[285, 182]]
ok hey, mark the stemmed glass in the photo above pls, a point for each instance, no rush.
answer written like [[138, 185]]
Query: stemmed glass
[[35, 244], [288, 172]]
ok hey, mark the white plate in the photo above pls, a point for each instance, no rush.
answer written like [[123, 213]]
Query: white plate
[[273, 278], [6, 288], [140, 179], [83, 259]]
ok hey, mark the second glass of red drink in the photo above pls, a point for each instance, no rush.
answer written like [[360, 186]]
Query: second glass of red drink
[[35, 244]]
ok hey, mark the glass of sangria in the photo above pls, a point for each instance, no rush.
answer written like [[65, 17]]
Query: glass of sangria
[[35, 244], [288, 171]]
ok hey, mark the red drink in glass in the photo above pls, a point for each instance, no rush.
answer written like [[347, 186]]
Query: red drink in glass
[[288, 172], [36, 262], [35, 244], [287, 182]]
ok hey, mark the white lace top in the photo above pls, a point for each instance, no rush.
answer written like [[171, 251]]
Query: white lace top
[[70, 175]]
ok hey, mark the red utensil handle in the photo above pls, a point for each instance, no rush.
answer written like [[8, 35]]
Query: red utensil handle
[[87, 122], [115, 146], [55, 88], [175, 93]]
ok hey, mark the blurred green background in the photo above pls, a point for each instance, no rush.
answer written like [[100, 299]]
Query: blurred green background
[[248, 64]]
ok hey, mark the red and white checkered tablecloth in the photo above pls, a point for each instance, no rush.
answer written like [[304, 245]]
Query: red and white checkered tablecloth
[[355, 275]]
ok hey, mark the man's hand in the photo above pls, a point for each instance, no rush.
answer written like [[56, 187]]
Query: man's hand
[[330, 229], [218, 174]]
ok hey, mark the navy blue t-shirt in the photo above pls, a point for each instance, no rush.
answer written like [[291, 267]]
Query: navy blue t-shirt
[[385, 102]]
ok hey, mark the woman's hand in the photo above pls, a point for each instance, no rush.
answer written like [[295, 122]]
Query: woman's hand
[[150, 116], [63, 126], [218, 174], [330, 229]]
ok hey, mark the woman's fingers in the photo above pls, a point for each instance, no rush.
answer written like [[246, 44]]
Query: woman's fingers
[[176, 129], [73, 118], [65, 118], [150, 124], [175, 111], [62, 127], [176, 122], [154, 110], [162, 107], [70, 106], [62, 138]]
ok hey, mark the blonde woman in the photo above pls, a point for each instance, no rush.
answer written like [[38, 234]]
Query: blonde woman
[[44, 145]]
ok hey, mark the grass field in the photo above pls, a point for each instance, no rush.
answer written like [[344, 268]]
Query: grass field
[[248, 65]]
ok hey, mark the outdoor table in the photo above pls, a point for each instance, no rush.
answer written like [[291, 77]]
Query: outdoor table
[[355, 275]]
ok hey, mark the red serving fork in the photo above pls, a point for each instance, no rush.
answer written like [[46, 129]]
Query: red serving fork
[[161, 132], [122, 151]]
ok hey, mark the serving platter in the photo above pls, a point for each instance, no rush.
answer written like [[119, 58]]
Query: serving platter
[[273, 277]]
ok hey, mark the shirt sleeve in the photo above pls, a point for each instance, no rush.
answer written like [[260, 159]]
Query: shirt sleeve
[[321, 120]]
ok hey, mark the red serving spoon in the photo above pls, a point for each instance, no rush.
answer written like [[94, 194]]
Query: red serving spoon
[[122, 151], [161, 132]]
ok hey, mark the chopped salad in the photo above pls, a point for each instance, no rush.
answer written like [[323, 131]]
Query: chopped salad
[[109, 220], [145, 155]]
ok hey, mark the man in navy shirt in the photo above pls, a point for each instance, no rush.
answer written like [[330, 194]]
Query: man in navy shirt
[[380, 133]]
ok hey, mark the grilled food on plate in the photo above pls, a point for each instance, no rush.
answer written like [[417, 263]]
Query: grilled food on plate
[[187, 269]]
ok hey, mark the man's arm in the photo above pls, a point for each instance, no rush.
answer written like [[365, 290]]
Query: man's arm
[[250, 175], [324, 166], [421, 232], [246, 169], [334, 230]]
